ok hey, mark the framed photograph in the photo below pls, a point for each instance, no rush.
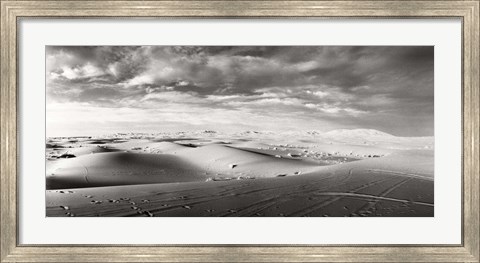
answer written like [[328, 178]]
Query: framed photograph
[[228, 131]]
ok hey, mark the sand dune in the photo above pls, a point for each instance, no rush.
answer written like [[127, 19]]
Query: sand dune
[[120, 168], [185, 164]]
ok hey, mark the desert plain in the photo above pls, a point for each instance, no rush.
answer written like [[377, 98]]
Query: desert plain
[[340, 173]]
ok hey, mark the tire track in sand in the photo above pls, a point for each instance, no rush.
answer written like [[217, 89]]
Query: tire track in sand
[[325, 203], [367, 208]]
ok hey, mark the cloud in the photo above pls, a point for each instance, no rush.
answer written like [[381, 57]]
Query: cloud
[[85, 71], [385, 87]]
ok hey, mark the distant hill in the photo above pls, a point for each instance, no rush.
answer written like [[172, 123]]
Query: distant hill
[[358, 133]]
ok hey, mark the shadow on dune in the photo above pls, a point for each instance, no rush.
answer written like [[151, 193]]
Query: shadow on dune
[[120, 168]]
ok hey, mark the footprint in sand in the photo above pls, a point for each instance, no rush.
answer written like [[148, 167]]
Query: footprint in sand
[[148, 213], [125, 199], [66, 192], [64, 207], [88, 196], [96, 202], [70, 214], [113, 201], [135, 208], [145, 201]]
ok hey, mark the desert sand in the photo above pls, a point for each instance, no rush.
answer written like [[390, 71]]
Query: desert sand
[[338, 173]]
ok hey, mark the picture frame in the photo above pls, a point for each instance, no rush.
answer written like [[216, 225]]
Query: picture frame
[[467, 251]]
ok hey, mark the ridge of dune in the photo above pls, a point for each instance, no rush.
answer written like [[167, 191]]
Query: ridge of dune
[[225, 159], [89, 150], [168, 147]]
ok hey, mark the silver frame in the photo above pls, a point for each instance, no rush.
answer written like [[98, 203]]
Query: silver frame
[[467, 251]]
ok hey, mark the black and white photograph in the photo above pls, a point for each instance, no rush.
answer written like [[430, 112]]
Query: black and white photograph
[[239, 131]]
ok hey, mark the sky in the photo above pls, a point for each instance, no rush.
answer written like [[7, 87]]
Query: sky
[[93, 90]]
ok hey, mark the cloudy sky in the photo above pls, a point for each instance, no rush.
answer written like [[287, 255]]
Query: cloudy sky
[[98, 90]]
